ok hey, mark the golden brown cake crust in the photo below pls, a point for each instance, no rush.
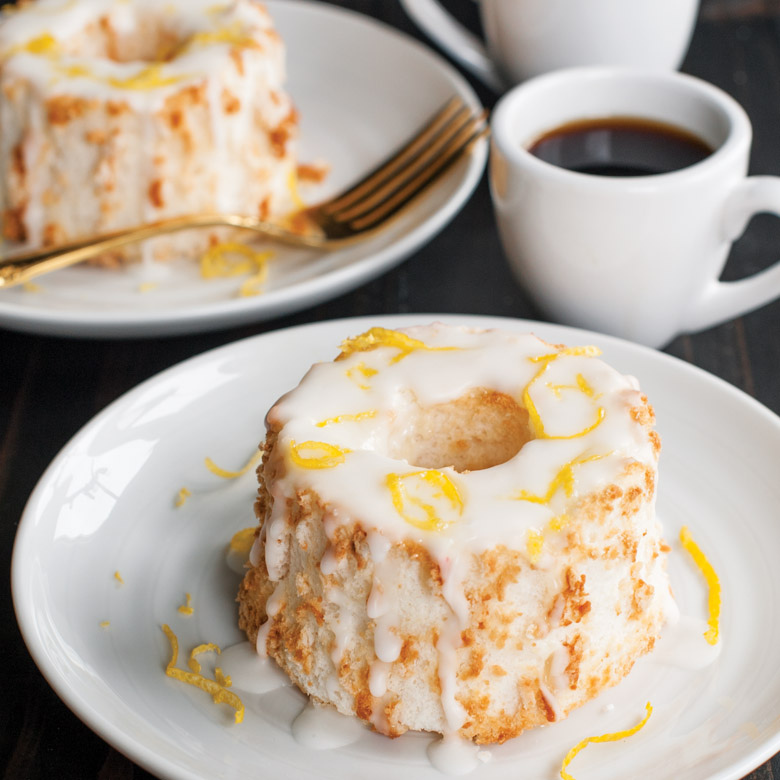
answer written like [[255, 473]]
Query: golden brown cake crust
[[301, 628]]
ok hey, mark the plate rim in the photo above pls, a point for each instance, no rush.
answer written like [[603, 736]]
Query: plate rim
[[232, 312], [161, 765]]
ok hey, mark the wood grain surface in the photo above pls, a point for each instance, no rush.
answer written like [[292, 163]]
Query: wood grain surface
[[50, 387]]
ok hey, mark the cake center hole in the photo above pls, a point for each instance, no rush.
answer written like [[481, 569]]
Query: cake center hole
[[149, 39], [476, 431]]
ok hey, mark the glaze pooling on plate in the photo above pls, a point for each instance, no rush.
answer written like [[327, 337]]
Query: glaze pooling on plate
[[106, 504]]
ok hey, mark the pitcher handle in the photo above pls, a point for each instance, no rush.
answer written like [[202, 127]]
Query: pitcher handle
[[721, 301], [461, 44]]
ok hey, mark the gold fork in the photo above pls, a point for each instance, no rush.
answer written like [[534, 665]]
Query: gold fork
[[350, 216]]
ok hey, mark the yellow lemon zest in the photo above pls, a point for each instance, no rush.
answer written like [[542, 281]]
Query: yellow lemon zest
[[586, 351], [206, 647], [45, 45], [183, 494], [145, 287], [225, 474], [218, 693], [383, 337], [295, 195], [534, 544], [535, 539], [253, 285], [74, 71], [365, 371], [584, 387], [242, 541], [558, 389], [332, 456], [559, 522], [105, 623], [149, 77], [347, 418], [232, 258], [222, 678], [186, 608], [614, 737], [534, 418], [563, 480], [713, 584], [233, 34], [400, 485], [31, 287], [118, 578]]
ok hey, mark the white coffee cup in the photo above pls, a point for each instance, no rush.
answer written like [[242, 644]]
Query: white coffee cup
[[638, 257], [525, 38]]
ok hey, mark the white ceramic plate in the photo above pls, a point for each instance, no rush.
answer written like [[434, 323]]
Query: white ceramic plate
[[361, 88], [106, 504]]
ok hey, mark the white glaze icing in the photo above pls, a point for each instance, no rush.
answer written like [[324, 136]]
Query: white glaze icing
[[556, 671], [248, 672], [683, 645], [272, 607], [449, 642], [452, 755], [74, 62], [322, 728], [377, 678], [236, 561], [500, 361]]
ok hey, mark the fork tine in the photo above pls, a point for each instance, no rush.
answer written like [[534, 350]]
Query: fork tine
[[404, 173], [402, 156], [424, 176]]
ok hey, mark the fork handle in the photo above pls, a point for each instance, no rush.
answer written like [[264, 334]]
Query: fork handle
[[23, 267]]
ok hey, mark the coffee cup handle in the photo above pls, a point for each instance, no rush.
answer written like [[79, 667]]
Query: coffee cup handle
[[721, 301], [462, 45]]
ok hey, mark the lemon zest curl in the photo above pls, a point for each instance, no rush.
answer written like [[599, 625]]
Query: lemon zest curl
[[242, 541], [183, 494], [403, 487], [333, 455], [217, 691], [186, 608], [206, 647], [713, 584], [342, 418], [225, 474], [383, 337], [614, 737]]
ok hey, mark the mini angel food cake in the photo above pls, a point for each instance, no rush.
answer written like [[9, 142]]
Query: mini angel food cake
[[457, 532], [115, 113]]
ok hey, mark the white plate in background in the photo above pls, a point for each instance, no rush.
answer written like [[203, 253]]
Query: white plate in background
[[361, 89]]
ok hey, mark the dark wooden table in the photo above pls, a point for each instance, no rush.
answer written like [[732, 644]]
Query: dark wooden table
[[50, 387]]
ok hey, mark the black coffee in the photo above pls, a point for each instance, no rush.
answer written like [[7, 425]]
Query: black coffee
[[620, 146]]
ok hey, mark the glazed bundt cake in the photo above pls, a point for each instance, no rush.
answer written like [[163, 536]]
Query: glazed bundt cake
[[116, 113], [457, 532]]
